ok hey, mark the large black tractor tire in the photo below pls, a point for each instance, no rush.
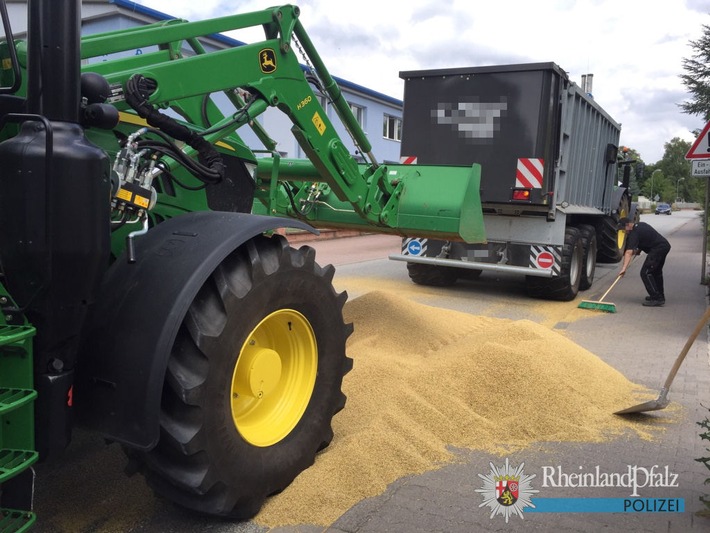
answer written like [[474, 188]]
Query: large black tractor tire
[[611, 239], [253, 381], [565, 286], [589, 258], [432, 275]]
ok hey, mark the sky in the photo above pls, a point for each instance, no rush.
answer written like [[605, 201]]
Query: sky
[[634, 48]]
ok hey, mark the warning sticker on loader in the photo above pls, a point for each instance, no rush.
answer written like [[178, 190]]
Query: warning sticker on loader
[[318, 123]]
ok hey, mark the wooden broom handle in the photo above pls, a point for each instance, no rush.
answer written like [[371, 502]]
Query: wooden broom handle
[[686, 348], [612, 286], [617, 279]]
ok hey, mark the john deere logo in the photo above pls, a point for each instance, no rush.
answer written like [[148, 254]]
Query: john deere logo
[[506, 490], [267, 60]]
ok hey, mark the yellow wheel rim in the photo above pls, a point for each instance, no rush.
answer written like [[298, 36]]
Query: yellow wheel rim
[[621, 234], [274, 377]]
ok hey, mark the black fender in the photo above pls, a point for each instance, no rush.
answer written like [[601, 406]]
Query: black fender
[[137, 315], [616, 196]]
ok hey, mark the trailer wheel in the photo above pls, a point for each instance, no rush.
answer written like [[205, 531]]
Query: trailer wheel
[[253, 381], [565, 286], [612, 240], [432, 275], [589, 260]]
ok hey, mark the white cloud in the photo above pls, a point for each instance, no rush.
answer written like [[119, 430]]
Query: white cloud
[[634, 48]]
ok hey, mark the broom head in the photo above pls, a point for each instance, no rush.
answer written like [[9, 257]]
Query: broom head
[[607, 307]]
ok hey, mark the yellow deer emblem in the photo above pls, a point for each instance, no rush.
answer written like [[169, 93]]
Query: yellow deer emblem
[[267, 60]]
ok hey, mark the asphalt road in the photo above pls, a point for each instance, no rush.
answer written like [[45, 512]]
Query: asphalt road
[[88, 492]]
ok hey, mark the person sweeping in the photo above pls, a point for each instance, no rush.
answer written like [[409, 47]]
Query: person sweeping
[[641, 237]]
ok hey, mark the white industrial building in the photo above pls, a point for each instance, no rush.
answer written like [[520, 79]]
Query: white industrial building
[[379, 115]]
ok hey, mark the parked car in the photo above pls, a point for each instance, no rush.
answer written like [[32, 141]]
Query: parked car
[[663, 209]]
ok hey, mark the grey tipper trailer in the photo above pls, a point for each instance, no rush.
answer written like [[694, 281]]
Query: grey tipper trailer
[[550, 184]]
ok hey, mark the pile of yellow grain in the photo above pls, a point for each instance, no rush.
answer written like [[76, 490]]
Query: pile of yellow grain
[[425, 379]]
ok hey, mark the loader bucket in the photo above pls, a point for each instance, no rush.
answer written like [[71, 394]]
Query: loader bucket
[[440, 202]]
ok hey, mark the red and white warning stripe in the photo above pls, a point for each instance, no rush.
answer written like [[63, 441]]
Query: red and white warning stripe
[[408, 160], [529, 173]]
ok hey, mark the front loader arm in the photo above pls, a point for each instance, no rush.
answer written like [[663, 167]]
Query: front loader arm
[[268, 74]]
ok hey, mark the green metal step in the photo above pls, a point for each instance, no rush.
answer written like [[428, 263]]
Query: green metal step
[[12, 521], [13, 334], [13, 462], [11, 399]]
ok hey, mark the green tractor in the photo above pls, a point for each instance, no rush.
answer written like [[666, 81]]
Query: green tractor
[[146, 294]]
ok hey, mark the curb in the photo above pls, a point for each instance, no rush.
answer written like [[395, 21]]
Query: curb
[[297, 236]]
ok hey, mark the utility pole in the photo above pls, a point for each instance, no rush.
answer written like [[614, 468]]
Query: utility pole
[[653, 174], [703, 280]]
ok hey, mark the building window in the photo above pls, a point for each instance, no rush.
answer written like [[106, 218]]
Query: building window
[[392, 128], [323, 101], [359, 113]]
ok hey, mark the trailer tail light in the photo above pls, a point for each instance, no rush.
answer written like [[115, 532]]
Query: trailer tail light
[[521, 195]]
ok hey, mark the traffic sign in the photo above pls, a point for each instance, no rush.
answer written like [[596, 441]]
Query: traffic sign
[[545, 260], [701, 146], [701, 168]]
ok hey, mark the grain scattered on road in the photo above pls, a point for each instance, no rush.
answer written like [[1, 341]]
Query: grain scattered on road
[[426, 379]]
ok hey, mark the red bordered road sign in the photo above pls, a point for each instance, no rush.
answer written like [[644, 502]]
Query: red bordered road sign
[[545, 260], [701, 146]]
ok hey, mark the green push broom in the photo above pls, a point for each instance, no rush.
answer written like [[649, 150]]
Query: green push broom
[[601, 305]]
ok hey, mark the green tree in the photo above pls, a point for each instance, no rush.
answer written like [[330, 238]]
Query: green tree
[[654, 182], [663, 187], [697, 76], [674, 178]]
